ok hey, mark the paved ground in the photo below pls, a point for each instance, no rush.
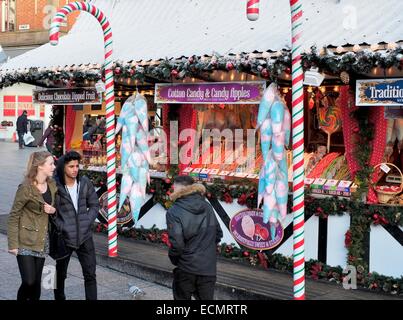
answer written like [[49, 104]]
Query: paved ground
[[13, 163], [112, 285]]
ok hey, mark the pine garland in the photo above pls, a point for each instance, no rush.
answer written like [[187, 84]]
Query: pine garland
[[363, 149], [266, 67], [56, 118]]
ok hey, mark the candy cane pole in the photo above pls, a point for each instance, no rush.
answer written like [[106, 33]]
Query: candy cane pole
[[298, 142], [298, 150], [110, 106], [252, 9]]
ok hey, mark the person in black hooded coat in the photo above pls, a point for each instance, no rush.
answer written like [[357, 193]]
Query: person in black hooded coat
[[194, 233], [77, 207]]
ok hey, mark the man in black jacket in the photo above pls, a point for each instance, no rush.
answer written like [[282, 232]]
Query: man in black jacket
[[194, 233], [77, 208], [22, 128]]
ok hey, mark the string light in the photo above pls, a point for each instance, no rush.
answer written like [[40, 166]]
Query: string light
[[322, 89], [374, 47], [336, 89], [356, 48], [285, 90], [339, 49], [310, 90], [266, 55], [392, 45]]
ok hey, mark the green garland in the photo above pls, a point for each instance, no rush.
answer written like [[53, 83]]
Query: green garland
[[362, 151], [56, 118], [194, 66]]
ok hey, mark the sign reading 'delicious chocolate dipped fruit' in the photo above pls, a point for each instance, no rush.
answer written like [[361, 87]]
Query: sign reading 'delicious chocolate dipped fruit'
[[70, 96], [206, 93], [379, 92], [249, 230]]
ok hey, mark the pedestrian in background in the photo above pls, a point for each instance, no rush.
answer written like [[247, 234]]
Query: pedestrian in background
[[28, 223], [22, 128], [194, 233], [49, 136]]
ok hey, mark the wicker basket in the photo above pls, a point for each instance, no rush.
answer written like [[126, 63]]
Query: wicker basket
[[385, 196]]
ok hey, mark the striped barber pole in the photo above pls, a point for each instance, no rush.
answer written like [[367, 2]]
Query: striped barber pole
[[298, 151], [110, 106], [297, 140]]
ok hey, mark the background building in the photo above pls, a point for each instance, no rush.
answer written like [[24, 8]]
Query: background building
[[24, 25]]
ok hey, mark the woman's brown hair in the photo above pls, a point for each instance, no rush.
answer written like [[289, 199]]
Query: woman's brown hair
[[36, 159]]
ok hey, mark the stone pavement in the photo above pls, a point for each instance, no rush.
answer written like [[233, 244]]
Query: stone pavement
[[13, 163], [112, 285]]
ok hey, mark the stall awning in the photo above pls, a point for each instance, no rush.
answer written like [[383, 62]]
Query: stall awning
[[158, 29]]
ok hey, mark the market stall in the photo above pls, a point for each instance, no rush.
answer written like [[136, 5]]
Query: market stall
[[353, 148]]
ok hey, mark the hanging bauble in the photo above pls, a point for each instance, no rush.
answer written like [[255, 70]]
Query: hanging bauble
[[132, 72], [311, 103], [117, 70], [229, 65], [265, 73], [345, 77], [174, 73]]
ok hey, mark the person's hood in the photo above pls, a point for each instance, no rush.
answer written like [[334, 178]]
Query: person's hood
[[191, 198]]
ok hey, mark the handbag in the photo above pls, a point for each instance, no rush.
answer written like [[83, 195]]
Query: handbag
[[28, 138], [57, 246]]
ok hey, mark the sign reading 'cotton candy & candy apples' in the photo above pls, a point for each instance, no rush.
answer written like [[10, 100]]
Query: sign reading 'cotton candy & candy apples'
[[249, 230]]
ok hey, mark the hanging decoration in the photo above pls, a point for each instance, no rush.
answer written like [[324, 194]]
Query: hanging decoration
[[135, 155], [274, 122]]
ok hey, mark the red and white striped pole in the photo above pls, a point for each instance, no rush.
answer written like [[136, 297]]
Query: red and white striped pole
[[297, 140], [110, 107], [298, 150]]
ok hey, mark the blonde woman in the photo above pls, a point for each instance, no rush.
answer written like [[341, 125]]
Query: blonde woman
[[28, 223]]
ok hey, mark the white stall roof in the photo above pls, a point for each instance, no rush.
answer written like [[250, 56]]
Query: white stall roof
[[158, 29]]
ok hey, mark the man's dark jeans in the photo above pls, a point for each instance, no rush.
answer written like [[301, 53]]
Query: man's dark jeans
[[186, 284], [86, 256], [21, 139]]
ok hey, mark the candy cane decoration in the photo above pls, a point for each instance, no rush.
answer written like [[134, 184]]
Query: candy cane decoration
[[298, 142], [252, 9], [298, 150], [110, 107]]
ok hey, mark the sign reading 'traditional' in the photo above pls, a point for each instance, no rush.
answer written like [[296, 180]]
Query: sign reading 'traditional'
[[207, 93], [248, 229], [379, 92]]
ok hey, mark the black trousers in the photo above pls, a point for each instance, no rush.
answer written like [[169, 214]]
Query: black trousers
[[185, 285], [31, 275], [86, 256], [20, 139]]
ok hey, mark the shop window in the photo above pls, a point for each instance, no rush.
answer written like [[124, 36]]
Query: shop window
[[8, 15]]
